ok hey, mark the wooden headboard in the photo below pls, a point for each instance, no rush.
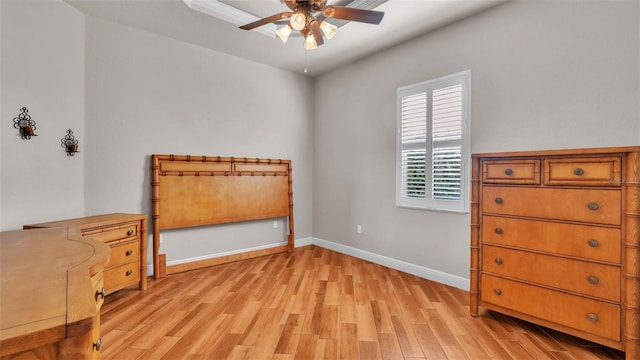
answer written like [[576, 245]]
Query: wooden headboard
[[205, 190]]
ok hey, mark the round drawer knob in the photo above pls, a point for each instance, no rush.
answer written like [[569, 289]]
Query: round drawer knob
[[129, 252], [130, 232], [593, 243], [100, 294], [98, 344], [498, 261], [497, 292], [498, 200], [593, 280], [498, 231], [592, 317], [578, 171], [129, 272], [508, 172], [594, 206]]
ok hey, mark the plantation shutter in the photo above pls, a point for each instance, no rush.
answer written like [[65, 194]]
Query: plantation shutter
[[446, 141], [432, 144], [414, 140]]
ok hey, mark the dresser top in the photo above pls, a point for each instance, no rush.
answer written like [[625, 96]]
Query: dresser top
[[90, 221], [561, 152]]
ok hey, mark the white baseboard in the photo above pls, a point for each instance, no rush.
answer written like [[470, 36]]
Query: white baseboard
[[213, 256], [417, 270], [226, 253], [421, 271], [303, 242]]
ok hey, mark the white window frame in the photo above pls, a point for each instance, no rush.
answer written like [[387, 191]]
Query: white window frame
[[428, 202]]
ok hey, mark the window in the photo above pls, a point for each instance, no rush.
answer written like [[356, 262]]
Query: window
[[433, 144]]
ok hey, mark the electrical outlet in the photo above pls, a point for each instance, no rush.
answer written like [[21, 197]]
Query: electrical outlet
[[275, 224], [160, 238], [359, 229]]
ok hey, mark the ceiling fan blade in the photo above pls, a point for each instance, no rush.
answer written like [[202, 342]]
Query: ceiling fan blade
[[317, 33], [266, 20], [353, 14]]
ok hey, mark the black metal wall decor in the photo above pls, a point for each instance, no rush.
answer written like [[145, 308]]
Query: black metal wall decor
[[24, 124], [69, 143]]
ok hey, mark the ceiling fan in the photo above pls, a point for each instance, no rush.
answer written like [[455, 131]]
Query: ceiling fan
[[308, 17]]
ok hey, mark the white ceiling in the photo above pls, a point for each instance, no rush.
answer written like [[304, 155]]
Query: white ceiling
[[403, 20]]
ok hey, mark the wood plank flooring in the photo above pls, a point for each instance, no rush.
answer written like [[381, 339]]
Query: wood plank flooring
[[315, 303]]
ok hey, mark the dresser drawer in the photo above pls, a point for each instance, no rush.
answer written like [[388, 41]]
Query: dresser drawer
[[123, 274], [511, 172], [96, 339], [124, 253], [604, 171], [588, 278], [113, 233], [585, 205], [97, 282], [585, 241], [596, 317]]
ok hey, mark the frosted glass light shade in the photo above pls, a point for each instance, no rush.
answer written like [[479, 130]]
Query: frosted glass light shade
[[284, 32], [298, 21], [329, 30], [310, 42]]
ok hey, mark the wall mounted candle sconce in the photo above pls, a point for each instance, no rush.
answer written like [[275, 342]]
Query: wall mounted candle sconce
[[24, 124], [69, 143]]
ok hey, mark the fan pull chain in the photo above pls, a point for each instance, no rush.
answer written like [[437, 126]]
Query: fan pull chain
[[305, 61]]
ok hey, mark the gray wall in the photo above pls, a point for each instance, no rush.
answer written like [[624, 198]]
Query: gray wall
[[544, 75], [1, 115], [148, 94], [42, 69], [127, 94]]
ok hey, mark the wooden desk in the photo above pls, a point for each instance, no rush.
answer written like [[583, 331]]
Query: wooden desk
[[50, 294]]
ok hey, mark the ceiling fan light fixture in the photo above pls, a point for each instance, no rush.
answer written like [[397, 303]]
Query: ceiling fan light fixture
[[329, 30], [284, 32], [314, 30], [298, 21], [310, 42]]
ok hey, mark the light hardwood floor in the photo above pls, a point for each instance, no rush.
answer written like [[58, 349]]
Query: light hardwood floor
[[315, 303]]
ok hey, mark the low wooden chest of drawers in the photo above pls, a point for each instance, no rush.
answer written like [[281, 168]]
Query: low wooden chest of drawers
[[126, 235], [555, 240]]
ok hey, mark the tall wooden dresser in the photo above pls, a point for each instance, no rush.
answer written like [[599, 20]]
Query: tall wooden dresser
[[126, 235], [555, 240]]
